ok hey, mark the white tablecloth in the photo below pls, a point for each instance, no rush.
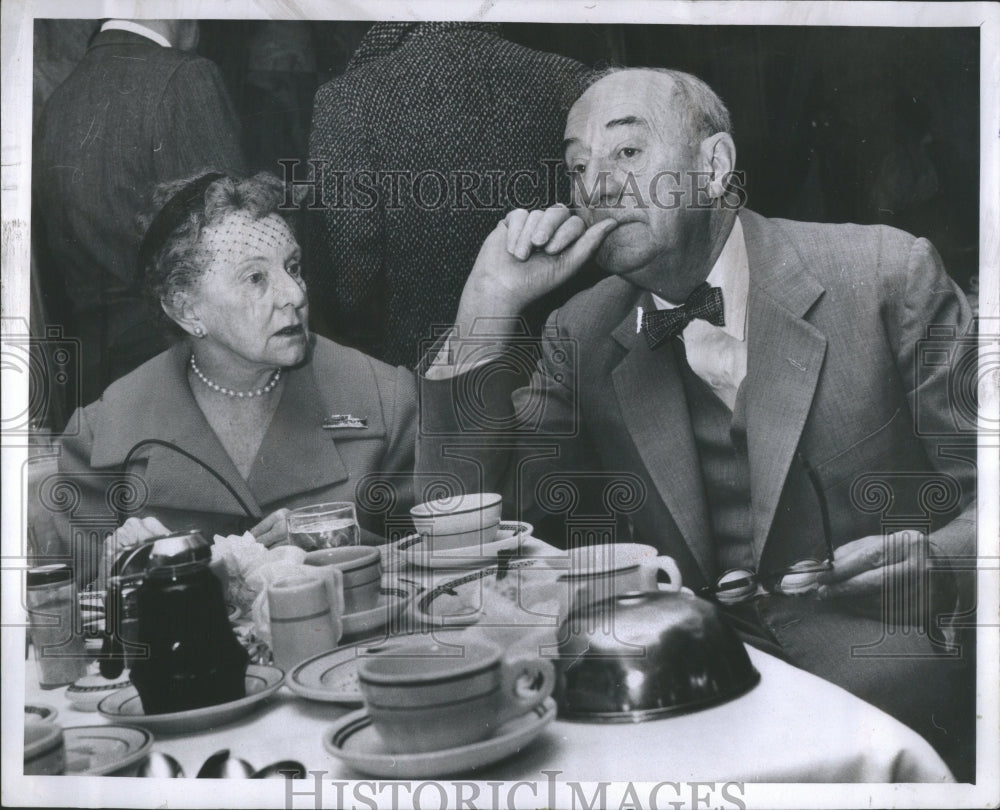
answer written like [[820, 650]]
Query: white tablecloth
[[791, 727]]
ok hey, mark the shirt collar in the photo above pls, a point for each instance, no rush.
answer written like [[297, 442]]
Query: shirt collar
[[730, 273], [137, 28]]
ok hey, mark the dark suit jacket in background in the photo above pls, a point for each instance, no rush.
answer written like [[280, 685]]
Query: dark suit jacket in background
[[131, 115], [840, 369], [434, 96]]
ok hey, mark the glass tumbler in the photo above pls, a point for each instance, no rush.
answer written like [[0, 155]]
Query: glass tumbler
[[324, 525]]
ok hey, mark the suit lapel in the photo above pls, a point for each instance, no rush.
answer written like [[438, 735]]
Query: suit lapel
[[784, 358], [785, 355], [651, 396], [297, 455], [130, 415]]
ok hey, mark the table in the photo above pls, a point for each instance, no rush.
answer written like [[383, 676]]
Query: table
[[792, 727]]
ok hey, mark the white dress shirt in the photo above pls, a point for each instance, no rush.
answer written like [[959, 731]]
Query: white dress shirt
[[136, 28], [718, 354]]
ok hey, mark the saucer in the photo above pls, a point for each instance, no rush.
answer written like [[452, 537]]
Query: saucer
[[87, 692], [39, 713], [414, 551], [366, 623], [125, 705], [353, 740], [460, 601], [99, 750], [44, 751], [332, 677]]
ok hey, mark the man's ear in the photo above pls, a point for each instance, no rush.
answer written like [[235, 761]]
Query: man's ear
[[180, 308], [718, 158]]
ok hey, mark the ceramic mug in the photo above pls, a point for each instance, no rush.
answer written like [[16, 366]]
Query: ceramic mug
[[423, 696], [361, 569], [458, 521], [594, 573], [303, 622]]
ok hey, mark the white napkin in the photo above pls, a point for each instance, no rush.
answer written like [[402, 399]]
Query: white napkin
[[252, 567]]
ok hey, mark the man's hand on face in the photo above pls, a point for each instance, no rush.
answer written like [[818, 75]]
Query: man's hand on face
[[526, 256]]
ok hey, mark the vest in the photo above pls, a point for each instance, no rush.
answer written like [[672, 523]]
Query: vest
[[721, 438]]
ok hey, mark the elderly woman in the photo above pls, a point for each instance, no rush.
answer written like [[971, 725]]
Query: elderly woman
[[232, 426]]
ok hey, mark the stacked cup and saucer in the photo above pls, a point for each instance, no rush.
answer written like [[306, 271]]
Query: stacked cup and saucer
[[441, 706], [461, 531]]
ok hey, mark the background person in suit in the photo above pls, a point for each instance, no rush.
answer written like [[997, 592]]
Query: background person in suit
[[791, 385], [453, 103], [139, 109]]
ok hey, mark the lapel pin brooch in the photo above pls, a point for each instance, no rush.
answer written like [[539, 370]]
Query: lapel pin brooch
[[344, 421]]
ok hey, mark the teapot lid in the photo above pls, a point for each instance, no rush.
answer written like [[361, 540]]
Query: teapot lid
[[174, 551]]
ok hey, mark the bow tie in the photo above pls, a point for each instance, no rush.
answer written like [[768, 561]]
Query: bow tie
[[662, 324]]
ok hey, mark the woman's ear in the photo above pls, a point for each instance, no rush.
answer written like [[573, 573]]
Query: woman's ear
[[718, 157], [181, 310]]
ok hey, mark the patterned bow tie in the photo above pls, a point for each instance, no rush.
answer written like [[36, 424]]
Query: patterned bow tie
[[662, 324]]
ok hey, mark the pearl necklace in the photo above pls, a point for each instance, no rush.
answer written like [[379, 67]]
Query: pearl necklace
[[229, 392]]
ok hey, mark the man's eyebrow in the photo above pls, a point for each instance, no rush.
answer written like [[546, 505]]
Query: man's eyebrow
[[627, 121]]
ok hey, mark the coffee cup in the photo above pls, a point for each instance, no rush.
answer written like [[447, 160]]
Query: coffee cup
[[423, 696], [361, 570], [597, 572], [458, 521], [303, 621]]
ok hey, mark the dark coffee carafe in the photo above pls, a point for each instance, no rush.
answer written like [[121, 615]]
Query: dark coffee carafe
[[193, 658]]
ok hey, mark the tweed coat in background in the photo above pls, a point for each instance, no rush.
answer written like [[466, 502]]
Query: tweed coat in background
[[131, 115], [433, 96]]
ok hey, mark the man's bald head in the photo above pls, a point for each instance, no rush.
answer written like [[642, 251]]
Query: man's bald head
[[684, 97]]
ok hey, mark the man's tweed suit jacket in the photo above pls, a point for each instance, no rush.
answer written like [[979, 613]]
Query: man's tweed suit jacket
[[861, 357]]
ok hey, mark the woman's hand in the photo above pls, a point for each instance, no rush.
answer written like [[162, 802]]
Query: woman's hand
[[272, 530], [527, 255], [130, 534], [134, 530]]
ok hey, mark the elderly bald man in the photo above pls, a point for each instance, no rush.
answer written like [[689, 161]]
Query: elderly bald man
[[759, 384]]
